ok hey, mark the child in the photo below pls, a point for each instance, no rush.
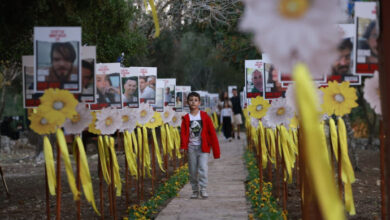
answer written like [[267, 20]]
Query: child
[[198, 136], [226, 119]]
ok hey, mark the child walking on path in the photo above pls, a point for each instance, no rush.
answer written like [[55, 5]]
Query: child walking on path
[[198, 137], [226, 119]]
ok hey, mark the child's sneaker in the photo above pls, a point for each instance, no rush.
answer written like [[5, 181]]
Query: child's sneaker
[[195, 195], [203, 194]]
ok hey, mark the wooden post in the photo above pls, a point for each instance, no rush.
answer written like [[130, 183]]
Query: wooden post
[[382, 169], [47, 197], [260, 164], [78, 202], [58, 208], [340, 183], [284, 183], [112, 191], [126, 182], [101, 188], [142, 171], [277, 166], [384, 81], [166, 154]]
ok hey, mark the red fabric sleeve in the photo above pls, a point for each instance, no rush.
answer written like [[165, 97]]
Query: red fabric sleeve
[[184, 133], [213, 137]]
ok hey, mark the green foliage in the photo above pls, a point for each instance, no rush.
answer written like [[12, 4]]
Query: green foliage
[[264, 205], [164, 192]]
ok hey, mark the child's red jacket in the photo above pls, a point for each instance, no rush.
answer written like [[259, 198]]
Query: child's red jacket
[[208, 135]]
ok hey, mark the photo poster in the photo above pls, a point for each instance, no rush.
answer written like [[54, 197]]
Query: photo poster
[[108, 86], [203, 101], [366, 40], [273, 86], [230, 90], [242, 99], [186, 91], [57, 58], [343, 68], [179, 98], [147, 77], [214, 97], [30, 98], [88, 64], [159, 103], [129, 78], [254, 74], [169, 91]]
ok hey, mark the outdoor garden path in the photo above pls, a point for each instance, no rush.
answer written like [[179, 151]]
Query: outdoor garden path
[[226, 189]]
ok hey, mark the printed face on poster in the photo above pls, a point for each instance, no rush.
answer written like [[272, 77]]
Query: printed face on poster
[[108, 86], [88, 60], [159, 104], [30, 98], [147, 78], [254, 78], [186, 91], [130, 95], [273, 85], [230, 90], [179, 98], [57, 58], [366, 40], [342, 68], [169, 91]]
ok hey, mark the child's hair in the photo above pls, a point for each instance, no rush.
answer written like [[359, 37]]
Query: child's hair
[[193, 94]]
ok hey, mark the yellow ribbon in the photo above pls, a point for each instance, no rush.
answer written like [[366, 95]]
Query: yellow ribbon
[[68, 165], [130, 156], [323, 139], [147, 164], [271, 144], [169, 136], [157, 150], [85, 175], [135, 144], [264, 152], [347, 175], [333, 138], [163, 139], [177, 138], [103, 163], [115, 166], [287, 152], [321, 176], [155, 19], [49, 162]]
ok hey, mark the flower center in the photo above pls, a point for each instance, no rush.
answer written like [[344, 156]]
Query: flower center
[[76, 118], [108, 121], [43, 121], [143, 113], [339, 98], [125, 118], [166, 114], [293, 9], [58, 105], [259, 108], [281, 111]]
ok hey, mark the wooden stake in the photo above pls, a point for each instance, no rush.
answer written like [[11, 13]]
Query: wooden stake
[[277, 166], [78, 202], [153, 167], [382, 168], [47, 197], [260, 164], [101, 188]]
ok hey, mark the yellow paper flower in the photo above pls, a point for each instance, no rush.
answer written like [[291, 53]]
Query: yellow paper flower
[[57, 105], [92, 127], [258, 107], [339, 99], [41, 124], [155, 121]]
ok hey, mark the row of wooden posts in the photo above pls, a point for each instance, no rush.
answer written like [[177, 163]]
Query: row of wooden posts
[[309, 209], [130, 181]]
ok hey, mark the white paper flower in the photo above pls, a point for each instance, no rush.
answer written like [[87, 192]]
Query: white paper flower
[[108, 121], [167, 114], [79, 122], [290, 98], [266, 123], [176, 119], [144, 114], [129, 119], [372, 93], [255, 122], [279, 113], [290, 31]]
